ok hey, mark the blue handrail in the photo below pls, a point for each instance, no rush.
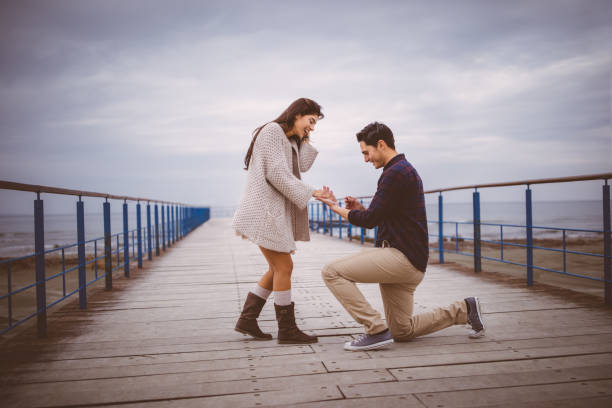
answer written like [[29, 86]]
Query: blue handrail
[[128, 248], [477, 240]]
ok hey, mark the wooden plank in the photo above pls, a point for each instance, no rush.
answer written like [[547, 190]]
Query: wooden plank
[[174, 387], [282, 397], [597, 402], [128, 367], [499, 367], [478, 382], [395, 401], [514, 395], [410, 349], [462, 358]]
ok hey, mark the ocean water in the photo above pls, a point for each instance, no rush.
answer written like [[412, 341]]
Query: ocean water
[[17, 231], [581, 215]]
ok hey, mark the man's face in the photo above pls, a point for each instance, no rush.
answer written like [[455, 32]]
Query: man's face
[[372, 154]]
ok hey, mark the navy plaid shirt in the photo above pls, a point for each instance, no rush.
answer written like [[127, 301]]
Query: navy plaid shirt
[[398, 209]]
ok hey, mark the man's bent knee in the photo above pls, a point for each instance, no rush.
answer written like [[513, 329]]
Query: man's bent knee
[[328, 272]]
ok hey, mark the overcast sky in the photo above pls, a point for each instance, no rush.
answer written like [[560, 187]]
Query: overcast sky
[[159, 98]]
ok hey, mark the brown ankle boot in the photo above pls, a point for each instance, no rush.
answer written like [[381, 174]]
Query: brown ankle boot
[[247, 323], [288, 332]]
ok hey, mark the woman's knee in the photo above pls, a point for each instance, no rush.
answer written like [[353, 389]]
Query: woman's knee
[[283, 269]]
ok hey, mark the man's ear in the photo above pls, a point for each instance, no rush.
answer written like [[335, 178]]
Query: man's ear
[[381, 144]]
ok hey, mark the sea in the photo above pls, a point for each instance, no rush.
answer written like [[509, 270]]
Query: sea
[[17, 231]]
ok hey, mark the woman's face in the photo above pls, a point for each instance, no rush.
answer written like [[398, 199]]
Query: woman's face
[[303, 125]]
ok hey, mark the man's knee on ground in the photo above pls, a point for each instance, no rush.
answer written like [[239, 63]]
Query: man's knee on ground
[[402, 333]]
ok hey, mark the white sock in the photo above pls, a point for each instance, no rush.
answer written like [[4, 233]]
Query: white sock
[[261, 292], [282, 297]]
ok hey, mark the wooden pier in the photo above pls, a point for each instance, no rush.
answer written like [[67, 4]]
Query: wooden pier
[[165, 338]]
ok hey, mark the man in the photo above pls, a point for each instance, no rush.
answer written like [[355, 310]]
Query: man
[[399, 260]]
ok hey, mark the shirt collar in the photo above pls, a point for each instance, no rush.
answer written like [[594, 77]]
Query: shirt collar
[[395, 159]]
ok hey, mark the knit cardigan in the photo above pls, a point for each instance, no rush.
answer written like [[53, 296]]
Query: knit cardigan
[[272, 212]]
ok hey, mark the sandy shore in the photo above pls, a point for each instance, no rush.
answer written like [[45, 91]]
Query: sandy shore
[[590, 266], [23, 273]]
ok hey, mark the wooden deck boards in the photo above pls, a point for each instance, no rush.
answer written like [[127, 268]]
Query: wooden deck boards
[[165, 338]]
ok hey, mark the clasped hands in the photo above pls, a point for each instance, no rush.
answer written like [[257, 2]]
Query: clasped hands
[[327, 196]]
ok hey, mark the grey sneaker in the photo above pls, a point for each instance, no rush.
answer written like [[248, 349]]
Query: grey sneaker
[[369, 341], [475, 319]]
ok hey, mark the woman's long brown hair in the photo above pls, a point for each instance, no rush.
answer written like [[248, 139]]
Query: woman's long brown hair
[[302, 106]]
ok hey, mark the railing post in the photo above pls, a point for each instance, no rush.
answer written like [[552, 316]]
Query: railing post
[[81, 253], [318, 205], [126, 242], [170, 230], [156, 231], [41, 284], [181, 222], [331, 222], [168, 222], [362, 229], [139, 234], [149, 246], [163, 228], [173, 224], [324, 219], [477, 254], [310, 220], [607, 255], [339, 222], [529, 222], [187, 215], [108, 253], [440, 229]]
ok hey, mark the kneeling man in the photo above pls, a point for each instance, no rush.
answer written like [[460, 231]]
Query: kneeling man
[[399, 260]]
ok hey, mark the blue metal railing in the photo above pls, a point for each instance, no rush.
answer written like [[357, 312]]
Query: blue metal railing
[[129, 246], [316, 222]]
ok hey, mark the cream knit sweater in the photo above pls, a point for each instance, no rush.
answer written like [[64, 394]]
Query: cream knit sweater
[[272, 212]]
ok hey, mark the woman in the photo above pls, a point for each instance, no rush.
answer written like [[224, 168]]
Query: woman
[[272, 213]]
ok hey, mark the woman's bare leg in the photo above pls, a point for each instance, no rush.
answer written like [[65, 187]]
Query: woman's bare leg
[[281, 266], [267, 280]]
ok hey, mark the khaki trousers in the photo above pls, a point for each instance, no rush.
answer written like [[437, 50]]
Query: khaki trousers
[[398, 279]]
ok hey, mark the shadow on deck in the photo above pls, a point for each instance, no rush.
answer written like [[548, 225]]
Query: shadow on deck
[[165, 338]]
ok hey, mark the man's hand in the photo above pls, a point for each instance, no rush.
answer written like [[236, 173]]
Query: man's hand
[[353, 204]]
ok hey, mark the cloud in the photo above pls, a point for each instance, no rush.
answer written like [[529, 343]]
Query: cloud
[[475, 92]]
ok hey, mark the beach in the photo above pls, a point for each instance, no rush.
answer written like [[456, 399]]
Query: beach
[[23, 273], [589, 266]]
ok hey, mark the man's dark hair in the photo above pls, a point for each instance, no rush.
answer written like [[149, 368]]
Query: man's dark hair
[[374, 132]]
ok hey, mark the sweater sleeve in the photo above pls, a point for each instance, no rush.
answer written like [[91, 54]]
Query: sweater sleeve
[[270, 147], [308, 154]]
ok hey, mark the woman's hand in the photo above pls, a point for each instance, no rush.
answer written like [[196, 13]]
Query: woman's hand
[[326, 193]]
